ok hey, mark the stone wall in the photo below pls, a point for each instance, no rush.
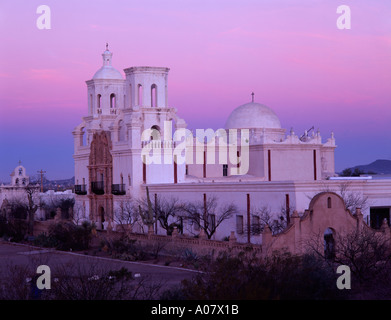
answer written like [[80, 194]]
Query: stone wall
[[326, 213], [326, 218]]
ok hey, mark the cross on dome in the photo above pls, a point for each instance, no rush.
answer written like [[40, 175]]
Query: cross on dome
[[107, 55], [107, 71]]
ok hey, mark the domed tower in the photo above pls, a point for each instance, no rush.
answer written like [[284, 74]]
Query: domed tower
[[262, 122], [264, 130], [273, 156], [106, 89], [125, 118]]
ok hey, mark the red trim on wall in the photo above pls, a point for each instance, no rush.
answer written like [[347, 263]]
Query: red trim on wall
[[269, 164], [248, 219]]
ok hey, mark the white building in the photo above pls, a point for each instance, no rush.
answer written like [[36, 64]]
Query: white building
[[16, 192], [16, 189], [132, 138]]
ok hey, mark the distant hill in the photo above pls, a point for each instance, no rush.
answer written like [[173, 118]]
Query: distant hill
[[376, 167], [59, 185]]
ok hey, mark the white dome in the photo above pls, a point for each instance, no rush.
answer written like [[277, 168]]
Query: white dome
[[108, 72], [252, 115]]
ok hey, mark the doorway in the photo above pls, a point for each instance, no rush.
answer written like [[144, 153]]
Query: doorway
[[102, 217], [329, 244], [377, 215]]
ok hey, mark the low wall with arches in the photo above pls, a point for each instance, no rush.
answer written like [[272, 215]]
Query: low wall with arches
[[325, 220], [318, 228]]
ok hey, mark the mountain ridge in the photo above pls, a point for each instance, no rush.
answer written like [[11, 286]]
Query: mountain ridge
[[379, 166]]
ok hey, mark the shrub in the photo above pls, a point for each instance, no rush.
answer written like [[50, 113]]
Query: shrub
[[71, 236], [189, 256], [14, 229], [43, 240], [125, 249], [246, 277]]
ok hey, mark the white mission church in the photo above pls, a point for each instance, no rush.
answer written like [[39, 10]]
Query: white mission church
[[132, 139]]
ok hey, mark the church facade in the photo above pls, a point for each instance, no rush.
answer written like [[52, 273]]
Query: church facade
[[132, 138], [16, 189]]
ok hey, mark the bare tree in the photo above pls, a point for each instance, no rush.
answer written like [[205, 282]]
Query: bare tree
[[87, 280], [366, 252], [353, 200], [127, 216], [25, 208], [207, 215], [65, 203], [78, 213], [164, 210], [277, 223], [167, 212], [32, 207]]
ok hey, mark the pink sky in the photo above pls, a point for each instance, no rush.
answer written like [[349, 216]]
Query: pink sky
[[289, 52]]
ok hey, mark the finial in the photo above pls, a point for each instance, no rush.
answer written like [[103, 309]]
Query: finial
[[20, 162], [107, 46], [252, 96]]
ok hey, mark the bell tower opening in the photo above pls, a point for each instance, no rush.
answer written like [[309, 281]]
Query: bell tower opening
[[154, 96], [112, 101]]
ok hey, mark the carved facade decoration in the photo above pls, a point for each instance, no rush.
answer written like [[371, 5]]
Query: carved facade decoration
[[100, 171]]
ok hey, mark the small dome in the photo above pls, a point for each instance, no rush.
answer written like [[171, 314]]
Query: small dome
[[108, 72], [252, 115]]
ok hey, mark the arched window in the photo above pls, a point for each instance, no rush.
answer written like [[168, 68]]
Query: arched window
[[112, 101], [154, 96], [130, 96], [155, 134], [98, 101], [139, 95], [329, 202], [90, 104], [83, 137]]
